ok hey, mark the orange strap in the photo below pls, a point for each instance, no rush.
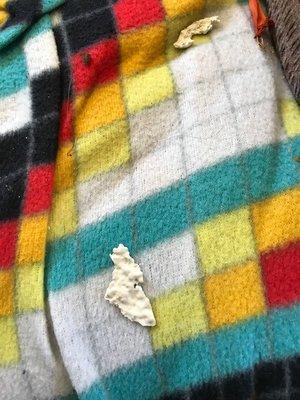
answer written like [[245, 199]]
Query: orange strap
[[259, 18]]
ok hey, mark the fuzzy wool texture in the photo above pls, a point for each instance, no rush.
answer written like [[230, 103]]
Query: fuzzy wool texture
[[286, 36], [30, 367], [188, 159]]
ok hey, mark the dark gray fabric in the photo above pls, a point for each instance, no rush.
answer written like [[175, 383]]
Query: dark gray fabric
[[286, 35]]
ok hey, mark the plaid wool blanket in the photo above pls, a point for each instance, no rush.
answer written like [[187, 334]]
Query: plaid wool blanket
[[190, 158]]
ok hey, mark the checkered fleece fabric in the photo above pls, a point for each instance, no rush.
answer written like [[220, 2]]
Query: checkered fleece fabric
[[110, 135]]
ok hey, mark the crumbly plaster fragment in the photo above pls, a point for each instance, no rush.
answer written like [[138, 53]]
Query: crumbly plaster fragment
[[201, 27], [125, 291]]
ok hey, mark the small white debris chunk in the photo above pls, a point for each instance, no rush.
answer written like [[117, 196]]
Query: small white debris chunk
[[201, 27], [124, 290]]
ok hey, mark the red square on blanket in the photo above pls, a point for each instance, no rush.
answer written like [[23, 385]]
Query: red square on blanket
[[65, 124], [281, 270], [39, 189], [8, 239], [131, 14], [96, 64]]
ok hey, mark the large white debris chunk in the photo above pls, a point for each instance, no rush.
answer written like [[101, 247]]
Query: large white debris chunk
[[125, 291], [201, 27]]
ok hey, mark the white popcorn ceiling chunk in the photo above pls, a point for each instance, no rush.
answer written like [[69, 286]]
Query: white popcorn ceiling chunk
[[124, 290], [201, 27]]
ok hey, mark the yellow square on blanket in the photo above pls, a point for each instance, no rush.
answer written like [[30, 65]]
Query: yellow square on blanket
[[103, 150], [32, 239], [64, 167], [276, 220], [143, 48], [29, 288], [9, 352], [234, 295], [6, 293], [63, 218], [179, 314], [98, 108], [291, 117], [176, 8], [148, 88], [225, 241]]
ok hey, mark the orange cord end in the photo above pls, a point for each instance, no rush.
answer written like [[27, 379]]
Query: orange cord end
[[260, 20]]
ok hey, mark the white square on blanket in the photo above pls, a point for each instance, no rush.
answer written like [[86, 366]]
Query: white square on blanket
[[41, 54]]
